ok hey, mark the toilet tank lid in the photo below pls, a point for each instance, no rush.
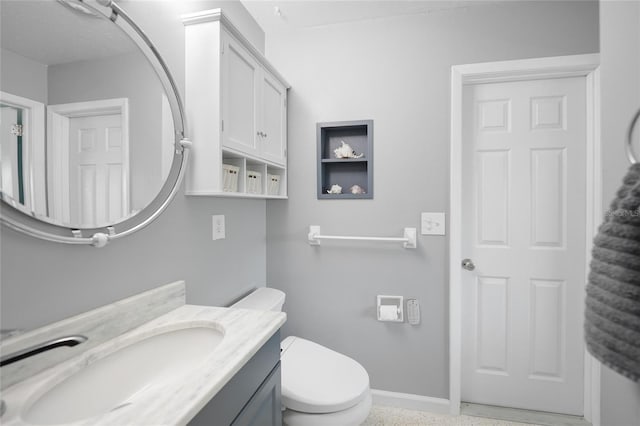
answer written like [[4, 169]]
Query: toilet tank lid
[[263, 298]]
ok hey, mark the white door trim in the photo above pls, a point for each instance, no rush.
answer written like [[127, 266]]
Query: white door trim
[[527, 69], [34, 155], [58, 130]]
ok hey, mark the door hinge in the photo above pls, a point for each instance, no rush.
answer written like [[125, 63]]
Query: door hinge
[[222, 125], [16, 129]]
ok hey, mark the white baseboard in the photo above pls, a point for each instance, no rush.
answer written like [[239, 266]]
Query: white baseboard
[[410, 401]]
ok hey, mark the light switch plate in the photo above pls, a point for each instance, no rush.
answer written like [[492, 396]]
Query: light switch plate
[[432, 224], [218, 227]]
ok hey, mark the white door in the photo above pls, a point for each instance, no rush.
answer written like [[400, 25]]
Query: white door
[[274, 122], [524, 155], [240, 84], [97, 173]]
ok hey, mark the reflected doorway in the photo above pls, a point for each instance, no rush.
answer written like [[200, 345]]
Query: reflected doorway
[[88, 155], [11, 151]]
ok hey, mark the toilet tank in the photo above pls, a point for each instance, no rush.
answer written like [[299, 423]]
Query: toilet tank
[[263, 298]]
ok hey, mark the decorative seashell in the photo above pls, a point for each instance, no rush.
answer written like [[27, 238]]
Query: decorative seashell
[[335, 189], [345, 151], [357, 189]]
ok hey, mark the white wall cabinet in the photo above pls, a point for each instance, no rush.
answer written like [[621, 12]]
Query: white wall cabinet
[[240, 97], [236, 105], [273, 142]]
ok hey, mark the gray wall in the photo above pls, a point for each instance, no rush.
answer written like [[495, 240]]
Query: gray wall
[[43, 282], [21, 76], [124, 76], [620, 77], [396, 72]]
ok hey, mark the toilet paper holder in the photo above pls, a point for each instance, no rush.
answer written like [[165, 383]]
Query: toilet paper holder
[[390, 308]]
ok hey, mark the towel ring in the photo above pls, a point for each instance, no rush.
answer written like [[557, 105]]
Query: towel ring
[[632, 157]]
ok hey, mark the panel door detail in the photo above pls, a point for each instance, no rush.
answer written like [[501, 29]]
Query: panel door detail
[[524, 157], [240, 82], [274, 122], [97, 177]]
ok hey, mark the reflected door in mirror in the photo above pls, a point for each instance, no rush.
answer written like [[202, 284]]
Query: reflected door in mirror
[[88, 162], [77, 66], [97, 165]]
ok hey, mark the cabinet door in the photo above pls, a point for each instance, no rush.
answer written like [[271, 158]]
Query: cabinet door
[[265, 406], [240, 83], [273, 128], [252, 395]]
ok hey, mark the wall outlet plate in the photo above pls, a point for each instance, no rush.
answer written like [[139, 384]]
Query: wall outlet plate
[[218, 227], [433, 224]]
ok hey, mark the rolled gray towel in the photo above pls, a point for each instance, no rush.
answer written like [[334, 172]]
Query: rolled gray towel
[[612, 313]]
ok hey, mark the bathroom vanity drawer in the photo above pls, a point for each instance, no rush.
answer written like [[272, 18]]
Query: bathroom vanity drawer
[[251, 396]]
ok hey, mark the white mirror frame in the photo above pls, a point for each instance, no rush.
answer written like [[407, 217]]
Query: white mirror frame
[[22, 220]]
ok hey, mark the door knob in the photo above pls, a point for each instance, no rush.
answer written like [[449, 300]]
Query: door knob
[[468, 264]]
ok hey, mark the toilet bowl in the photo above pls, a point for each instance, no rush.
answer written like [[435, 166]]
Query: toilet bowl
[[319, 386]]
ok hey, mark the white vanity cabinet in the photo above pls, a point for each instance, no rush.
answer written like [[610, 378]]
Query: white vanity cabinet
[[236, 105]]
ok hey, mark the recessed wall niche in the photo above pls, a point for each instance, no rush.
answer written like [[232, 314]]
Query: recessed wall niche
[[345, 159]]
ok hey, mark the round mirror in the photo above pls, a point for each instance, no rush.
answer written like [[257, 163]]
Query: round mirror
[[92, 144]]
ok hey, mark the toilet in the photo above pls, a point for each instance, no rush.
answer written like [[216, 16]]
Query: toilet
[[320, 387]]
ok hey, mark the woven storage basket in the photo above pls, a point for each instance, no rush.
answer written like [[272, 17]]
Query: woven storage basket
[[230, 178], [273, 184], [254, 182]]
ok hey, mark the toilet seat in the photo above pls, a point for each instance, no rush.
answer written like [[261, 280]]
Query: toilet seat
[[316, 379]]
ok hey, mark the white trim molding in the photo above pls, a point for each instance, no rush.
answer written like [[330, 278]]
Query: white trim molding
[[527, 69], [34, 150], [217, 15], [410, 401], [594, 216], [58, 164]]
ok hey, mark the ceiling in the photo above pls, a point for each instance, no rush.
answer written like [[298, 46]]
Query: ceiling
[[47, 32], [283, 15]]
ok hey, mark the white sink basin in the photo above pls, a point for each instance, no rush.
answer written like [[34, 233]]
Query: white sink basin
[[115, 381]]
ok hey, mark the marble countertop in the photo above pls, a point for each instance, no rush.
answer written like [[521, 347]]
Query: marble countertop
[[178, 400]]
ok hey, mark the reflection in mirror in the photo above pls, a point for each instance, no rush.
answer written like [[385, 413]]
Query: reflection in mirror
[[86, 131]]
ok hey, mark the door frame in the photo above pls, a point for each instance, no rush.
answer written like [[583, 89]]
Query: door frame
[[58, 117], [34, 155], [521, 70]]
